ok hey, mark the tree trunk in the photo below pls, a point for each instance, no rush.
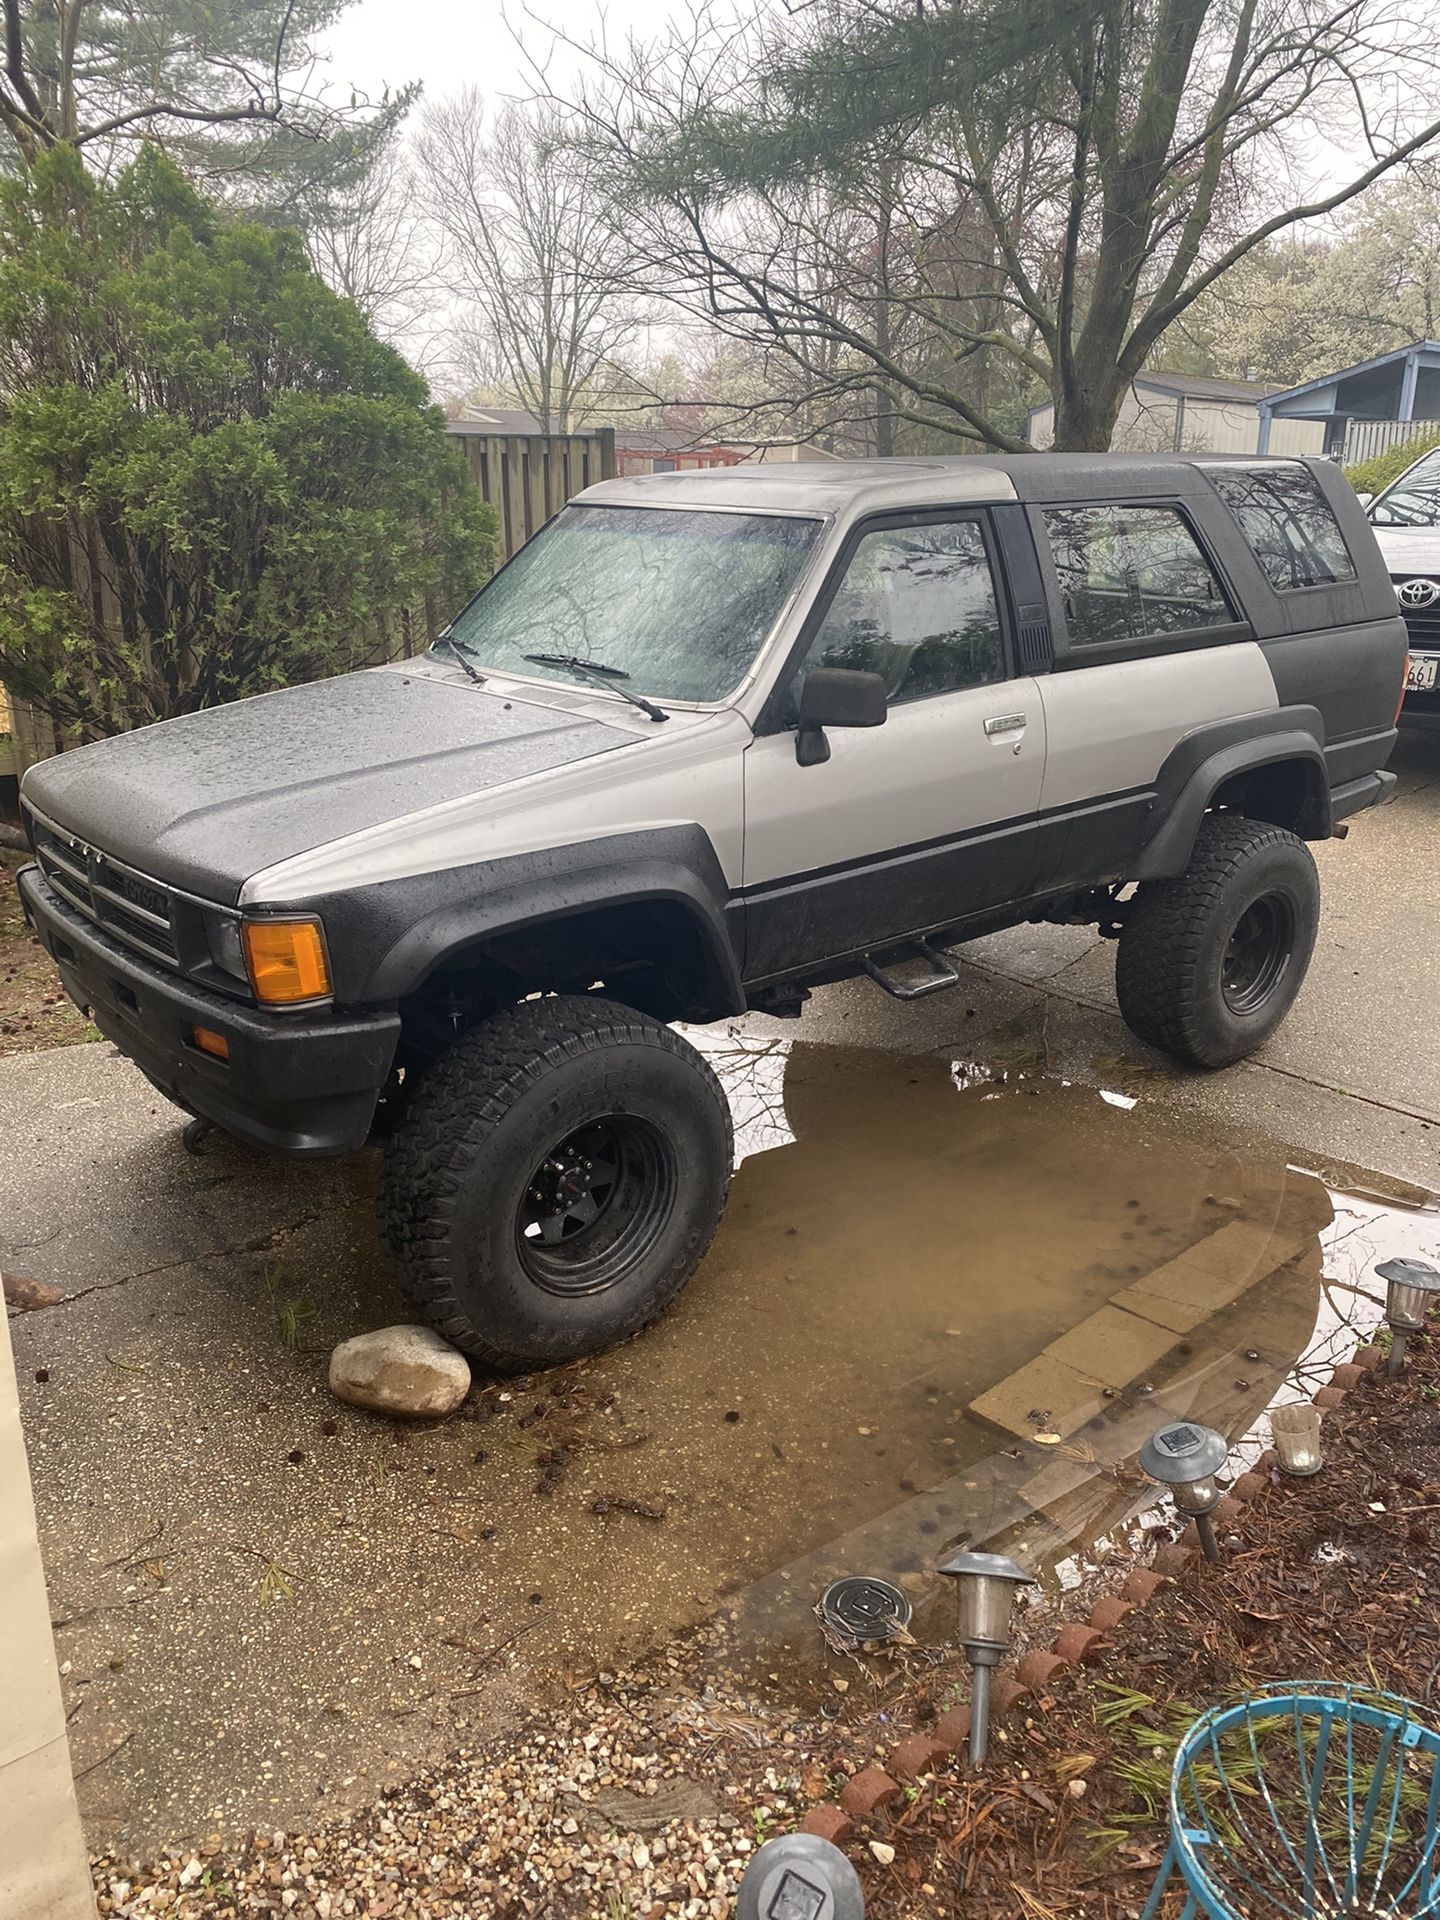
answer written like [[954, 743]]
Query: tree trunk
[[1085, 414]]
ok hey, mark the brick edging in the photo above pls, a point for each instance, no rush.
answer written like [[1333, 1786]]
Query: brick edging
[[1080, 1642]]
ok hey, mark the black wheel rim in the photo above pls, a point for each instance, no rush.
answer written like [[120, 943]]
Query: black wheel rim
[[1258, 954], [595, 1205]]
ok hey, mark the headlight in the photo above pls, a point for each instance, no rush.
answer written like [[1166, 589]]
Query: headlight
[[222, 936], [286, 960]]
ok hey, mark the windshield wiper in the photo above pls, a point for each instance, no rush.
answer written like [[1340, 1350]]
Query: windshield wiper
[[604, 676], [447, 639]]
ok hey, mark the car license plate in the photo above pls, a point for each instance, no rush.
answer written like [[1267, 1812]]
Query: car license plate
[[1420, 676]]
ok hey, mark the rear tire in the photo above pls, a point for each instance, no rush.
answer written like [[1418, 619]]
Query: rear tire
[[555, 1180], [1210, 963]]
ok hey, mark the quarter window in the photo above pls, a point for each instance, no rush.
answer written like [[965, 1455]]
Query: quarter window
[[1288, 524], [1132, 573], [916, 605]]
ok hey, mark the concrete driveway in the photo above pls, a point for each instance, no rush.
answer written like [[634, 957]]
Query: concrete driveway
[[266, 1602]]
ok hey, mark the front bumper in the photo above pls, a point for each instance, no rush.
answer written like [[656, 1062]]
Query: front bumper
[[299, 1084]]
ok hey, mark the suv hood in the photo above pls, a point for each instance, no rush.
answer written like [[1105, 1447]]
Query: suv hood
[[1410, 549], [204, 801]]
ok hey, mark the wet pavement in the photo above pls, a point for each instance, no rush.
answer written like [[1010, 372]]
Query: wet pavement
[[949, 1296]]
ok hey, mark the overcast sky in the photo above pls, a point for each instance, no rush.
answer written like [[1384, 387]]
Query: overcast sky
[[449, 44]]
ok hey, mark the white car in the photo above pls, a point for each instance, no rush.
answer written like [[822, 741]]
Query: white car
[[1406, 519]]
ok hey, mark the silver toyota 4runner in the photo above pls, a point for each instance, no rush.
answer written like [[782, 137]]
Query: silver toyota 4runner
[[709, 740]]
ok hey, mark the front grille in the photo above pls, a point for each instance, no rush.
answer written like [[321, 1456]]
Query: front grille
[[136, 911], [1421, 623]]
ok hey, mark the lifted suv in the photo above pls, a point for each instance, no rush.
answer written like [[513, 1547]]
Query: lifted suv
[[707, 741]]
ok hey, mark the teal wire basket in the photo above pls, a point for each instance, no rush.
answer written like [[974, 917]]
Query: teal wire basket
[[1305, 1802]]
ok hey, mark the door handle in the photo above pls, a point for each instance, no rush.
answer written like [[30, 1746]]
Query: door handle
[[1003, 723]]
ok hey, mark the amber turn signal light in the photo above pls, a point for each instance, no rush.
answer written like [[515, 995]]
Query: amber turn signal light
[[286, 960], [208, 1041]]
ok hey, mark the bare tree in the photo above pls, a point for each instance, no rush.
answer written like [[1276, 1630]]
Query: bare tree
[[539, 268], [371, 242], [1060, 179]]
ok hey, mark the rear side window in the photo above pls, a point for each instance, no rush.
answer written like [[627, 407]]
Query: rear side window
[[1288, 524], [1132, 573]]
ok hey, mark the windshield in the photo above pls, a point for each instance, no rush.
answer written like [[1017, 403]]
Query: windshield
[[679, 602], [1414, 500]]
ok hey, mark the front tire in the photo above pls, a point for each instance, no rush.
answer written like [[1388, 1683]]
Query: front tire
[[555, 1180], [1210, 963]]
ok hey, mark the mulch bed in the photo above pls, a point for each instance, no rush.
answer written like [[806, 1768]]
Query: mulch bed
[[1333, 1579], [34, 1009]]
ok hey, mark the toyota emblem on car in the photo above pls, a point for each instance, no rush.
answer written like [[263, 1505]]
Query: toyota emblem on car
[[1418, 593]]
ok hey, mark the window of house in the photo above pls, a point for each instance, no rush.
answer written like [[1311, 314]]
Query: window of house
[[1288, 524], [918, 606], [1132, 573]]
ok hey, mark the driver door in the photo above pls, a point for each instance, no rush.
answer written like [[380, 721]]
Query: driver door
[[927, 819]]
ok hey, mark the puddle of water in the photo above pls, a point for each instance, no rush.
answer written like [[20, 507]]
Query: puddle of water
[[857, 1379]]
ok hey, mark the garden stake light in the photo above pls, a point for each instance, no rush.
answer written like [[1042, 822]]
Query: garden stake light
[[987, 1584], [799, 1876], [1186, 1458], [1296, 1433], [1410, 1288]]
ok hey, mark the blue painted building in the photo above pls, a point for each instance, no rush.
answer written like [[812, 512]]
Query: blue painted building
[[1399, 388]]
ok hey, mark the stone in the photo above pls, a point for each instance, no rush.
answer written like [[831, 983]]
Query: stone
[[1007, 1690], [1037, 1670], [1349, 1375], [830, 1823], [868, 1790], [405, 1370], [916, 1754], [1108, 1611], [1141, 1585], [1368, 1358], [1330, 1398], [1175, 1562], [28, 1296], [953, 1728], [1249, 1486], [1078, 1644]]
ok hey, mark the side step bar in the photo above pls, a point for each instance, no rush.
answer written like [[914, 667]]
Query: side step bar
[[942, 974]]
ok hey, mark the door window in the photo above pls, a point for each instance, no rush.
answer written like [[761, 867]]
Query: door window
[[918, 606], [1132, 573]]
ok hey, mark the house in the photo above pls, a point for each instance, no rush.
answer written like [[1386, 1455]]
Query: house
[[1192, 413], [1361, 410], [637, 449]]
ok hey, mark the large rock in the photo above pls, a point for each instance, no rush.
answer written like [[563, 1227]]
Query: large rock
[[408, 1370]]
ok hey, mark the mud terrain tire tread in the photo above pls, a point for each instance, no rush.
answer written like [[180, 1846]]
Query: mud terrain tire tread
[[464, 1098], [1170, 929]]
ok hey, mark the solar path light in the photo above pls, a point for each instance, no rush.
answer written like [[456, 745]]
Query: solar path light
[[987, 1584], [799, 1876], [1411, 1286], [1296, 1433], [1186, 1458]]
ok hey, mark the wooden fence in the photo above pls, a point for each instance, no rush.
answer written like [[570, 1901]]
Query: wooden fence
[[527, 477]]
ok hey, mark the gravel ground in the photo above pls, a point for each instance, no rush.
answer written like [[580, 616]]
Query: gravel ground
[[642, 1795]]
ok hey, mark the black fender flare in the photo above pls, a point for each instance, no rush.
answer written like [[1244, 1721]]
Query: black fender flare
[[460, 909], [1200, 765]]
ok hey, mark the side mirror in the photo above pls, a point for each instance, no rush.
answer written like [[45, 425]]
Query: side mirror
[[1364, 498], [836, 697]]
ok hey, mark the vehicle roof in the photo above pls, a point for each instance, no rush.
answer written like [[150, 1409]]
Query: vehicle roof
[[830, 486]]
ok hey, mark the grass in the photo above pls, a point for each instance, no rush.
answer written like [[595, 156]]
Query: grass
[[294, 1312]]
